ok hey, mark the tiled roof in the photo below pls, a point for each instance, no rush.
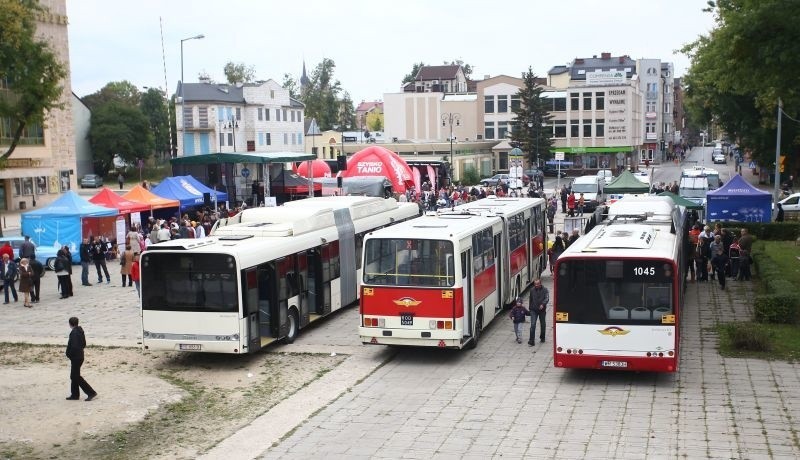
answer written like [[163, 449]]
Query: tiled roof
[[367, 106], [437, 72], [212, 92]]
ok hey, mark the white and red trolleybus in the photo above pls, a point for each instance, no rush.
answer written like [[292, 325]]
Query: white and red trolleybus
[[619, 290], [261, 276], [440, 279]]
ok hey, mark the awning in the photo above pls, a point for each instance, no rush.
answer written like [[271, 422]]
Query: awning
[[242, 157]]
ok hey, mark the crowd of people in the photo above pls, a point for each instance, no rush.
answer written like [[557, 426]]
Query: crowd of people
[[718, 254]]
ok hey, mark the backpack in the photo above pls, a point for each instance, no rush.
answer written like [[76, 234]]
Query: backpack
[[518, 315]]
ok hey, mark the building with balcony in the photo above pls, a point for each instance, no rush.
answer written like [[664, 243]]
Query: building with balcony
[[251, 117], [43, 165]]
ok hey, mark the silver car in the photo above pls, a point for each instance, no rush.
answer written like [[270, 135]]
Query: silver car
[[91, 180]]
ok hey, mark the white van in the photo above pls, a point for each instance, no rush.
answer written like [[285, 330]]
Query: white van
[[694, 189], [592, 189]]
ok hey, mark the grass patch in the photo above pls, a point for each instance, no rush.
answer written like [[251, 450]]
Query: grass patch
[[784, 257], [764, 341]]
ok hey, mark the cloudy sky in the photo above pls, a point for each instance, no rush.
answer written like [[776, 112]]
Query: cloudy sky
[[373, 43]]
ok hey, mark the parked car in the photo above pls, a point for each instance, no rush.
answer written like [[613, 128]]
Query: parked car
[[44, 254], [791, 203], [553, 171], [91, 180], [494, 180], [720, 157], [606, 174]]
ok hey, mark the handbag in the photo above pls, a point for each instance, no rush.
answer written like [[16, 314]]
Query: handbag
[[122, 260]]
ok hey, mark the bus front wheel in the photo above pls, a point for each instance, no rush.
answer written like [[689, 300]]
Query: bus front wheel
[[294, 326]]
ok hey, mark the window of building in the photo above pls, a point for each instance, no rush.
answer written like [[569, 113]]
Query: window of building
[[502, 130], [260, 114], [574, 101], [266, 114], [599, 101], [650, 127], [666, 128], [488, 130], [238, 113], [299, 138], [260, 138], [666, 107], [488, 105], [268, 138], [600, 127], [277, 114], [32, 134], [230, 138], [292, 112], [560, 104], [587, 128], [502, 105], [587, 101], [188, 116], [515, 104], [285, 138], [285, 118], [651, 106], [560, 128], [574, 128], [272, 94], [202, 116]]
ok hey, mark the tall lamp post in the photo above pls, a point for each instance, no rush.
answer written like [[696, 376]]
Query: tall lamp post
[[183, 100], [448, 119]]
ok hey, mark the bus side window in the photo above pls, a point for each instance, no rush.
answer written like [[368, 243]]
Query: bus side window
[[359, 241]]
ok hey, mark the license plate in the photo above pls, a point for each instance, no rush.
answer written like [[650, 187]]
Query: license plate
[[406, 319], [614, 363], [189, 346]]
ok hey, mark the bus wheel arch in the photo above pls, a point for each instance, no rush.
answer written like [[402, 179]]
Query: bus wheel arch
[[476, 335], [294, 325]]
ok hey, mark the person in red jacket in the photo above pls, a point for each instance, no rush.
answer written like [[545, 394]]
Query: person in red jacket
[[7, 249], [135, 273], [571, 204]]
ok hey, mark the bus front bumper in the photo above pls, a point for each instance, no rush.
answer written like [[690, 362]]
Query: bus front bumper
[[412, 337]]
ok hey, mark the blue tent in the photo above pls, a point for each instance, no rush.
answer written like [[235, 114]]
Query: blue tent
[[186, 189], [60, 223], [739, 201]]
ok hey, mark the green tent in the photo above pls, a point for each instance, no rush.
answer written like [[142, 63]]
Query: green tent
[[681, 201], [626, 183]]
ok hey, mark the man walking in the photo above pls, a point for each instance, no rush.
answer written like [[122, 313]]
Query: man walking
[[36, 279], [27, 250], [99, 250], [539, 298], [75, 346]]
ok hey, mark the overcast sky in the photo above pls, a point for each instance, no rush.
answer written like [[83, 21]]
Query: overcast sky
[[373, 43]]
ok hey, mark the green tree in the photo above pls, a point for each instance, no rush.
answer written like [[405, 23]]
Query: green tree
[[119, 129], [239, 73], [465, 67], [321, 96], [740, 69], [347, 117], [123, 92], [534, 110], [413, 74], [290, 84], [154, 107], [30, 73], [375, 121]]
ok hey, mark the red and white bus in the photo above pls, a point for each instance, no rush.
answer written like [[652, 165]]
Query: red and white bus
[[440, 279], [261, 276], [618, 290]]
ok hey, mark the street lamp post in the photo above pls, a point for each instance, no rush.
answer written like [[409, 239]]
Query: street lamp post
[[448, 119], [183, 100]]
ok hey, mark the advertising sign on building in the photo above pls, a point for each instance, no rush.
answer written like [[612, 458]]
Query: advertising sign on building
[[616, 77], [617, 117]]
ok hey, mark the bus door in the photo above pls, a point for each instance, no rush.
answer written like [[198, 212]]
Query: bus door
[[250, 308], [301, 279], [529, 254], [267, 300], [283, 267], [500, 264], [466, 290], [315, 286]]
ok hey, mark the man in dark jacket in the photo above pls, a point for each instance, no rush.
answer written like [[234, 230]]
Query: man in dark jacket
[[99, 250], [63, 268], [539, 298], [85, 251], [36, 279], [75, 346], [9, 275], [27, 250]]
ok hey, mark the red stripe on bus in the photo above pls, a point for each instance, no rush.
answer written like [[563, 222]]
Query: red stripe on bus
[[421, 302], [485, 284], [519, 259]]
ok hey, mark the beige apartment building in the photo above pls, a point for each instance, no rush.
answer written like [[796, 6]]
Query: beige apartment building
[[44, 162]]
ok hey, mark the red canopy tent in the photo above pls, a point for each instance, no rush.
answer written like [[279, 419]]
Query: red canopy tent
[[380, 161], [106, 197], [318, 167]]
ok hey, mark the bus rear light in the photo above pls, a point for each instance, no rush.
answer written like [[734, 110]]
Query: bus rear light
[[432, 324], [374, 322], [448, 325], [439, 324]]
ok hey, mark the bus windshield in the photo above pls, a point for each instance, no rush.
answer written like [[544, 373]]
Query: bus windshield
[[630, 291], [409, 262], [189, 282]]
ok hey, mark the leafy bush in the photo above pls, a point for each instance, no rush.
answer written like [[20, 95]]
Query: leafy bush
[[747, 336], [777, 307], [470, 176], [773, 231]]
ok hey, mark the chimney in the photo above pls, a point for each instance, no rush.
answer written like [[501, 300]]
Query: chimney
[[486, 77], [622, 59], [606, 55]]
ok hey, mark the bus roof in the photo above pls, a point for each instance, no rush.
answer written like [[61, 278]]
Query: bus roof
[[500, 206], [655, 207], [448, 226], [627, 240]]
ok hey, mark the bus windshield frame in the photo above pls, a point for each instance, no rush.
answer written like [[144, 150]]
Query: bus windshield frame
[[616, 291], [187, 281], [409, 262]]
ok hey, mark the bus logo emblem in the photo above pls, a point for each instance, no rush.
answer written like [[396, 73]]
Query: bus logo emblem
[[613, 331], [407, 302]]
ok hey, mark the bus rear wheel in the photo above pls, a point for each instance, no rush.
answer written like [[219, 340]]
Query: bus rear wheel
[[476, 336], [294, 326]]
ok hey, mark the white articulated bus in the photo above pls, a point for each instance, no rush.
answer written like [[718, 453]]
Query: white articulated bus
[[438, 280], [261, 276]]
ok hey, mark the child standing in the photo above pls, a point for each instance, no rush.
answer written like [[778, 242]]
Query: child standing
[[517, 315], [135, 273]]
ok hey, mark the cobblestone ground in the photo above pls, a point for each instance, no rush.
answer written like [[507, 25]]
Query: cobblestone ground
[[506, 400]]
